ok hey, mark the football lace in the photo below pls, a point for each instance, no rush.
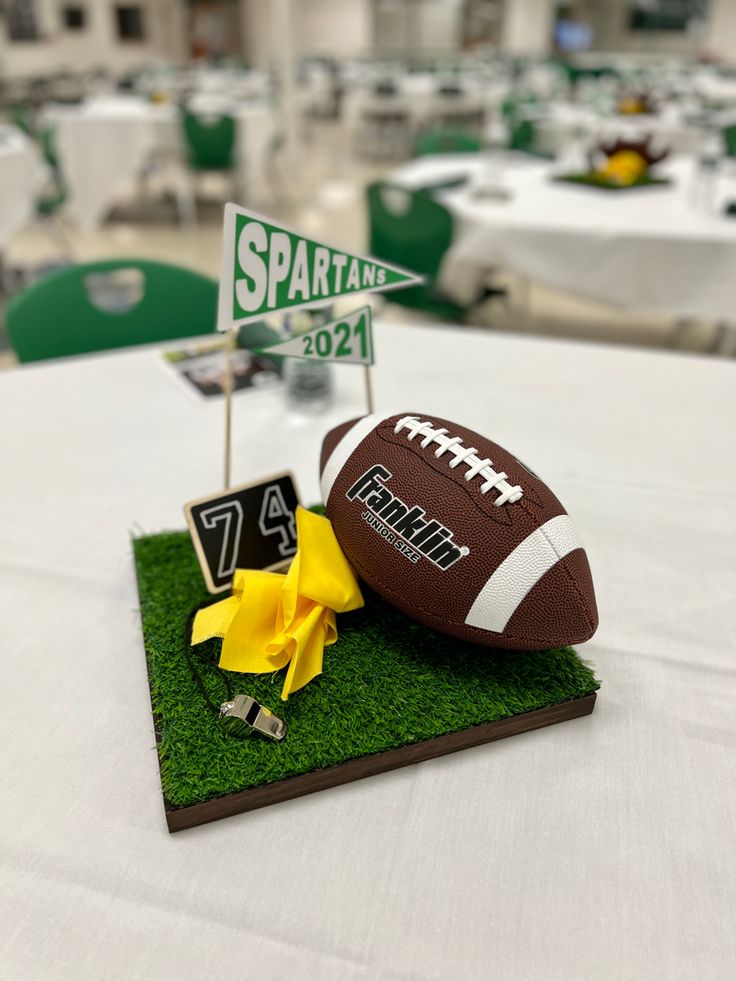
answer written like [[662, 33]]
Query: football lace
[[477, 466]]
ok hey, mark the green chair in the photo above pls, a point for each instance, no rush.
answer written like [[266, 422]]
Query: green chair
[[729, 141], [410, 229], [55, 193], [21, 116], [516, 103], [47, 139], [575, 73], [445, 141], [114, 303], [210, 145], [522, 135]]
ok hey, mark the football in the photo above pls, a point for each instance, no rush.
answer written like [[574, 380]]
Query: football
[[458, 534]]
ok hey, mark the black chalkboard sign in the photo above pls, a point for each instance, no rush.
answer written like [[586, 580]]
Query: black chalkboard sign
[[248, 527]]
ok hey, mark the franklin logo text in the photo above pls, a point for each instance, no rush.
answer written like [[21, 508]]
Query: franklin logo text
[[406, 527]]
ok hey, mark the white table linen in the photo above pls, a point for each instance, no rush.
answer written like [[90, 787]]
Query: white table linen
[[418, 96], [21, 180], [600, 848], [714, 89], [659, 249], [101, 146], [105, 143], [561, 122]]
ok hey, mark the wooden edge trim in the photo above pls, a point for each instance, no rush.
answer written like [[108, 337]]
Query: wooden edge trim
[[193, 815]]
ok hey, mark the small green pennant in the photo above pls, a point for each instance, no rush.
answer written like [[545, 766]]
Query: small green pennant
[[348, 340], [266, 267]]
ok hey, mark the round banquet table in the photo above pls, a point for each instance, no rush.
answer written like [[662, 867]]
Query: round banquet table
[[713, 88], [663, 249], [560, 122], [597, 848], [21, 180], [418, 96], [105, 142]]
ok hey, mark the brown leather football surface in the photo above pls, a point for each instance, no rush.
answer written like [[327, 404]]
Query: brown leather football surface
[[425, 537]]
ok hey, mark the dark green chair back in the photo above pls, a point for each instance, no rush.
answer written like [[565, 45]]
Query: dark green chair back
[[54, 195], [52, 200], [445, 141], [522, 135], [410, 229], [729, 141], [21, 116], [516, 103], [109, 304], [211, 144], [577, 72], [48, 147]]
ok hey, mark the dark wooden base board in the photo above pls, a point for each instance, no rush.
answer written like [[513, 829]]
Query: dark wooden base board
[[180, 818]]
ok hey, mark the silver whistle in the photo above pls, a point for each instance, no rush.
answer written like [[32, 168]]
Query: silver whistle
[[244, 714]]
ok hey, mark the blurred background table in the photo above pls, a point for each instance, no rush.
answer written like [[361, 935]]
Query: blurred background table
[[21, 176], [617, 823], [558, 123], [105, 143], [424, 99], [661, 248]]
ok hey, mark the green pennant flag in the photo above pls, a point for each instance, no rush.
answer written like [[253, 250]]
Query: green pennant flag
[[266, 267], [348, 340]]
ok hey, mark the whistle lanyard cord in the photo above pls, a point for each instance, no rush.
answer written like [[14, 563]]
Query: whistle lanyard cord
[[196, 672]]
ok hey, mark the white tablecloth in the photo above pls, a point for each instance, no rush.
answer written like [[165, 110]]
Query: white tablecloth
[[660, 249], [600, 848], [104, 144], [21, 180], [227, 81], [713, 88], [418, 96], [560, 122]]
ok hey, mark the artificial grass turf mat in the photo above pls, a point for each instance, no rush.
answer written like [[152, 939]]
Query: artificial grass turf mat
[[387, 682]]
